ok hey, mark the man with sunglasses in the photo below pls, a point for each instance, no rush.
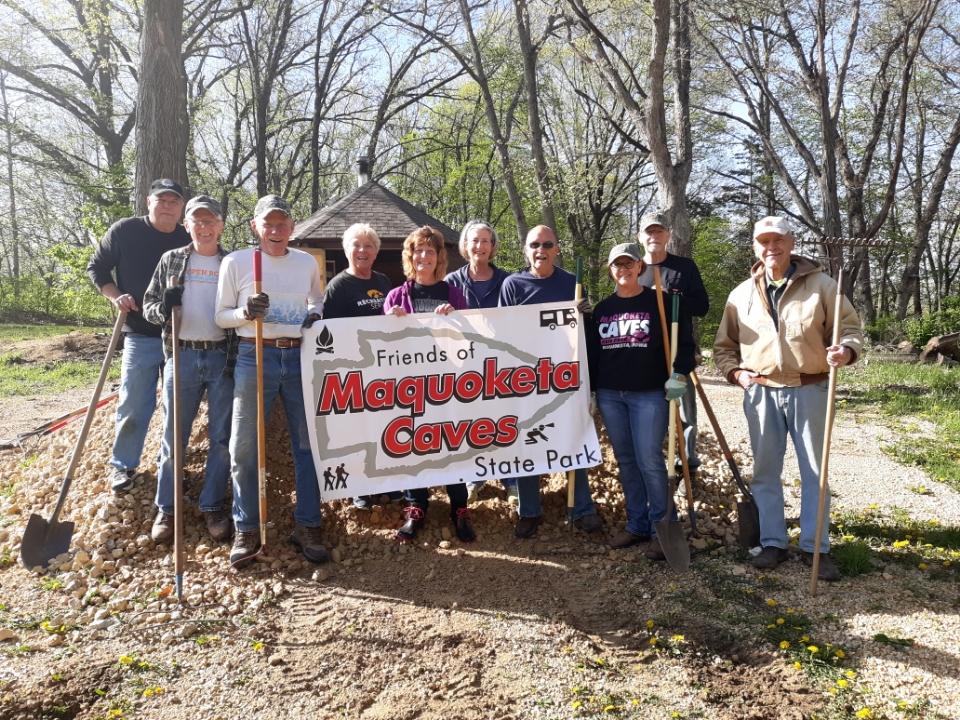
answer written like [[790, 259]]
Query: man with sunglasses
[[544, 282]]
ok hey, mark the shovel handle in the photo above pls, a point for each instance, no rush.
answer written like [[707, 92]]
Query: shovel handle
[[261, 421], [88, 418], [571, 474], [721, 440], [178, 555]]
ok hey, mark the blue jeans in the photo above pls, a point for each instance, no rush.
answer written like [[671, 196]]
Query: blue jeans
[[528, 494], [140, 369], [688, 416], [772, 415], [281, 376], [456, 492], [636, 423], [199, 370]]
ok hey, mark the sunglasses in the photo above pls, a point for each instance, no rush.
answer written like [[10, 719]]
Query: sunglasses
[[548, 245]]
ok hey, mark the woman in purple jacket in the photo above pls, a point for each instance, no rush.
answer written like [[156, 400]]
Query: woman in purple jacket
[[424, 264]]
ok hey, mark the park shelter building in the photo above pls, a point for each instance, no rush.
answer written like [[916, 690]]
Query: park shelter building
[[390, 215]]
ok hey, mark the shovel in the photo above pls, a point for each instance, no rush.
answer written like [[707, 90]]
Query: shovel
[[178, 559], [673, 541], [572, 474], [44, 539], [748, 517]]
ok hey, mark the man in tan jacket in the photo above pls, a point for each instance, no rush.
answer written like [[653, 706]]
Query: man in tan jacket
[[774, 341]]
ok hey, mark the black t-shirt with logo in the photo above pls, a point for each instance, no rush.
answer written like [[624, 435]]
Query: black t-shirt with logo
[[427, 298], [350, 296]]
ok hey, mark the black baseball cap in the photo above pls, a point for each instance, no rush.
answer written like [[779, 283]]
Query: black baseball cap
[[204, 202], [165, 185]]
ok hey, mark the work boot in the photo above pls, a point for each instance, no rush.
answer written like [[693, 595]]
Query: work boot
[[826, 570], [591, 523], [219, 524], [246, 544], [162, 530], [769, 558], [654, 551], [121, 481], [461, 520], [408, 531], [526, 527], [625, 539], [309, 542]]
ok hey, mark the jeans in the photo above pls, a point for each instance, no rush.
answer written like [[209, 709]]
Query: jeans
[[199, 370], [688, 416], [456, 492], [140, 369], [772, 414], [281, 376], [528, 494], [636, 423]]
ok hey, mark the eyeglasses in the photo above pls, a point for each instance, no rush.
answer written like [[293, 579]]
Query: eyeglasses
[[548, 245], [625, 263]]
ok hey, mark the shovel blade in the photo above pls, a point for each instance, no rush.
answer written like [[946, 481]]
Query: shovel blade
[[748, 524], [673, 542], [43, 541]]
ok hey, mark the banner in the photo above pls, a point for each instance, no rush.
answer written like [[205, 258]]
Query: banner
[[425, 400]]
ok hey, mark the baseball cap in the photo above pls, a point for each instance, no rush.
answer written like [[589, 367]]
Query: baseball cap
[[772, 224], [654, 218], [628, 249], [165, 185], [204, 202], [268, 203]]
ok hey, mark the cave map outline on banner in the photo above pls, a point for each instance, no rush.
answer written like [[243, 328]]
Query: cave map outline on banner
[[426, 400]]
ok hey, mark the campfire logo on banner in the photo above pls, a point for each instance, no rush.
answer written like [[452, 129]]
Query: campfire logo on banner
[[427, 400]]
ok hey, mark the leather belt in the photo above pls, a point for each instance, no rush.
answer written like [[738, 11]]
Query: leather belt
[[805, 379], [281, 343], [202, 344]]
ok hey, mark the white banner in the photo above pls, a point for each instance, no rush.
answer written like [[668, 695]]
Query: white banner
[[424, 400]]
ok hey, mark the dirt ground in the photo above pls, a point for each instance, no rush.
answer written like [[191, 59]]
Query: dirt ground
[[560, 626]]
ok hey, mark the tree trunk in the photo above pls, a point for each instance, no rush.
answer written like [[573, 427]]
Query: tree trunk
[[162, 131], [14, 228]]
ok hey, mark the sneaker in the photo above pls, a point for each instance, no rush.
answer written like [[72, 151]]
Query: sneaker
[[826, 570], [219, 524], [654, 551], [121, 481], [408, 531], [310, 544], [769, 558], [162, 530], [526, 527], [591, 523], [461, 520], [625, 539], [246, 545]]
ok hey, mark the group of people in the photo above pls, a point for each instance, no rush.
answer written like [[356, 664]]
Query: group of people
[[773, 341]]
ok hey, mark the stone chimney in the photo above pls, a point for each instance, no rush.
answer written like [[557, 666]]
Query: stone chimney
[[363, 171]]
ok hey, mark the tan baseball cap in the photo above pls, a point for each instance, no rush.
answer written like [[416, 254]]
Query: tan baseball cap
[[772, 225]]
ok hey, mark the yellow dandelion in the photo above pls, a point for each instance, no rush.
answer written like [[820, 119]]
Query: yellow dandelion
[[922, 566], [576, 704], [780, 621], [257, 646], [850, 674], [635, 702], [902, 704], [652, 641], [813, 649], [677, 639], [796, 665], [771, 602], [804, 638], [842, 683], [833, 691], [650, 624], [770, 626], [839, 653], [791, 611], [610, 708], [784, 644], [864, 713]]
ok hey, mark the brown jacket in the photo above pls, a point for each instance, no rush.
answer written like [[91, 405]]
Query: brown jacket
[[795, 353]]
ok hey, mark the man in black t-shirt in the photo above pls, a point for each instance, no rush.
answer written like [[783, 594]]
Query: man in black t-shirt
[[121, 268], [359, 290]]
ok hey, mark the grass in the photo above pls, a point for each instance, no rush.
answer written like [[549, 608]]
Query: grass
[[15, 333], [903, 392], [20, 377]]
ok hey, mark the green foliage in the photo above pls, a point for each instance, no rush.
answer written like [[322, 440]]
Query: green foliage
[[853, 558], [885, 329], [724, 262], [946, 320], [20, 377]]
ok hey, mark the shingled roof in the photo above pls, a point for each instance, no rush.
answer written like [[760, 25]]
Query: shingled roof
[[390, 215]]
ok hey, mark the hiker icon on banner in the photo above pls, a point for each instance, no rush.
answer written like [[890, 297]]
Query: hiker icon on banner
[[536, 435]]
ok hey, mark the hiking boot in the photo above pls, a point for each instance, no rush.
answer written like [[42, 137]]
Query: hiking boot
[[826, 570], [362, 502], [408, 531], [526, 527], [121, 481], [625, 539], [769, 558], [654, 551], [589, 523], [309, 542], [461, 521], [219, 524], [246, 544], [162, 530]]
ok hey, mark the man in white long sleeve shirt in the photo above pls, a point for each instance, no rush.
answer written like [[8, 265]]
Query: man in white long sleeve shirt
[[291, 299]]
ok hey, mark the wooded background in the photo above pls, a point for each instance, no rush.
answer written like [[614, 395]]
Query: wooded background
[[580, 114]]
